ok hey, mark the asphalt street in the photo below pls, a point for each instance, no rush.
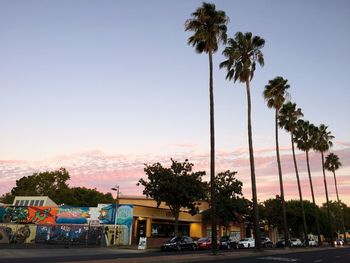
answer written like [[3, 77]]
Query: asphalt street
[[110, 255]]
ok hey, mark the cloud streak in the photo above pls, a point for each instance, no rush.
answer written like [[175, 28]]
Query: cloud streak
[[96, 169]]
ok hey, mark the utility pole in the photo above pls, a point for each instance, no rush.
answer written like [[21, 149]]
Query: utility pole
[[116, 188]]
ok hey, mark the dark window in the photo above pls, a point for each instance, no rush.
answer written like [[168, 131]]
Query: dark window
[[21, 203], [168, 229], [36, 203], [26, 202], [41, 203], [31, 202], [17, 203]]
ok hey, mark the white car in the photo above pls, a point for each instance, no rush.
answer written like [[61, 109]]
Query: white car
[[296, 242], [312, 243], [246, 242]]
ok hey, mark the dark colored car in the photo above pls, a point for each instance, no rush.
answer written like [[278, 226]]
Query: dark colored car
[[266, 242], [280, 243], [205, 243], [226, 242], [179, 243]]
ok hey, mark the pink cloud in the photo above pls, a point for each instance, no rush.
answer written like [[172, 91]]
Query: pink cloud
[[95, 169]]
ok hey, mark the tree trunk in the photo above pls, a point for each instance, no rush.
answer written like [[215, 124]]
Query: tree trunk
[[212, 157], [284, 211], [176, 224], [300, 193], [340, 207], [252, 171], [313, 200], [330, 228]]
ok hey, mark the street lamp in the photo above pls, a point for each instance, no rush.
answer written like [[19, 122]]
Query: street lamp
[[116, 188]]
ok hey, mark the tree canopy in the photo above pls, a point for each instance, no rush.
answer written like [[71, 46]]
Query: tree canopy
[[54, 184], [177, 186]]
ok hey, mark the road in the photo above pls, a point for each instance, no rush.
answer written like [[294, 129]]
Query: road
[[108, 255]]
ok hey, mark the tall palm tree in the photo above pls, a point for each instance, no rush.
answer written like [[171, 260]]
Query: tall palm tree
[[305, 136], [275, 94], [242, 53], [289, 115], [332, 164], [322, 145], [209, 26]]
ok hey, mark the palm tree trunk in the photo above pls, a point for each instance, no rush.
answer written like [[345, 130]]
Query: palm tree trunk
[[252, 171], [212, 157], [330, 228], [284, 211], [300, 193], [340, 207], [313, 200]]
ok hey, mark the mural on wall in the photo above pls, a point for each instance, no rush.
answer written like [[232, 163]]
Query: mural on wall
[[68, 234], [125, 216], [14, 214], [15, 233], [42, 215], [103, 213]]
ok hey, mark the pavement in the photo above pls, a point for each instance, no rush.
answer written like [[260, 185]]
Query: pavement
[[132, 255]]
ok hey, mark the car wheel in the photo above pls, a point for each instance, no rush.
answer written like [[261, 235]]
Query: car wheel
[[178, 248], [228, 246], [248, 245]]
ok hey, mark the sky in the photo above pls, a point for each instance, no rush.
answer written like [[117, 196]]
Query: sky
[[104, 87]]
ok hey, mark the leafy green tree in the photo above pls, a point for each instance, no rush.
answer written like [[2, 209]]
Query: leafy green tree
[[231, 204], [288, 117], [322, 144], [275, 94], [242, 53], [177, 186], [81, 196], [54, 185], [49, 183], [7, 198], [209, 26], [332, 164], [305, 138]]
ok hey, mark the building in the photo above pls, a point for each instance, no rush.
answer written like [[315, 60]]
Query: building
[[33, 201]]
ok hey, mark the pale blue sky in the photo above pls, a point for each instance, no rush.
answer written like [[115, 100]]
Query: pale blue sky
[[102, 87]]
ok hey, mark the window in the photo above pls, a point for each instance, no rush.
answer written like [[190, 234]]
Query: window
[[26, 202], [32, 202], [17, 203], [41, 203], [21, 203], [165, 229], [36, 202]]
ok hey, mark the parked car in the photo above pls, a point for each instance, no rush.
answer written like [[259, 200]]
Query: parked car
[[266, 242], [296, 242], [280, 243], [179, 243], [205, 243], [339, 242], [312, 243], [246, 242], [226, 242]]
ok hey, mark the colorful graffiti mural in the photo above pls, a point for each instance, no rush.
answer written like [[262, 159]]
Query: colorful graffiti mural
[[16, 233]]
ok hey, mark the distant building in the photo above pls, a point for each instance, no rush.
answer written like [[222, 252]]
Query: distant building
[[33, 201]]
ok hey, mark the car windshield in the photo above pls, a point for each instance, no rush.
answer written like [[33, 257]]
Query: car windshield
[[174, 239], [203, 239], [245, 239]]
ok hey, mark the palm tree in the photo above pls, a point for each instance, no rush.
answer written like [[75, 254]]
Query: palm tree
[[242, 53], [275, 94], [322, 144], [332, 164], [305, 135], [209, 26], [289, 115]]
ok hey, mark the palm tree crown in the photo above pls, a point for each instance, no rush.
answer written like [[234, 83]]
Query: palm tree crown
[[242, 53], [332, 162], [305, 135], [275, 93], [289, 115], [209, 26], [324, 139]]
